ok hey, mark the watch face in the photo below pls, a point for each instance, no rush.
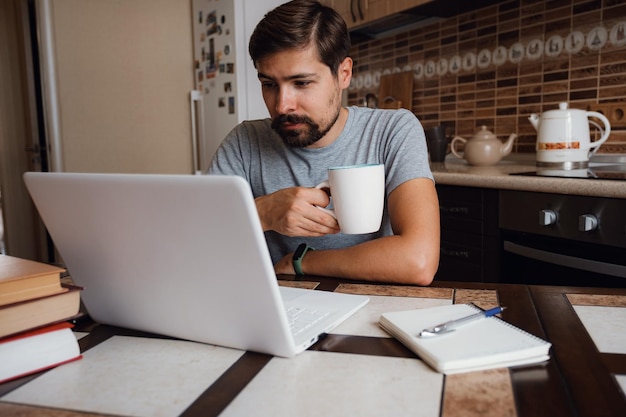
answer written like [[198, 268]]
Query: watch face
[[300, 251]]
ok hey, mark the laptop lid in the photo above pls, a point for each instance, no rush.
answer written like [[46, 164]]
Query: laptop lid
[[178, 255]]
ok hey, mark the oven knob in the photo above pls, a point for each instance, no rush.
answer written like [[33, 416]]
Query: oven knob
[[587, 223], [547, 217]]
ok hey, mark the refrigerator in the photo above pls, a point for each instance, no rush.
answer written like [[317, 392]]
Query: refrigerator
[[227, 90]]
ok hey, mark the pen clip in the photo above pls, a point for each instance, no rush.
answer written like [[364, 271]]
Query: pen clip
[[435, 331]]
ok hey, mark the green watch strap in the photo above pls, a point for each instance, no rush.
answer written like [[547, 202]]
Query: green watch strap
[[298, 256]]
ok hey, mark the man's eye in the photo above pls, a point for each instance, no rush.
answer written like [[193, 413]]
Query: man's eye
[[268, 84], [303, 83]]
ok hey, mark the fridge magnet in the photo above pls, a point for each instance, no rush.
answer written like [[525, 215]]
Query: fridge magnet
[[231, 105], [228, 87], [210, 71], [230, 68], [227, 49], [221, 102], [211, 23]]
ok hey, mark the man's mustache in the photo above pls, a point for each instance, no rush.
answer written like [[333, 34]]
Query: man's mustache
[[290, 118]]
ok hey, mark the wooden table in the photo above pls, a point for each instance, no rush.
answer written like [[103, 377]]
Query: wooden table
[[576, 381]]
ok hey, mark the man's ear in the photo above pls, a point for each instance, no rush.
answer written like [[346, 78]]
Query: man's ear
[[344, 73]]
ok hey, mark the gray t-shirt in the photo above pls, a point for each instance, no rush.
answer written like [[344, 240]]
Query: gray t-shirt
[[254, 151]]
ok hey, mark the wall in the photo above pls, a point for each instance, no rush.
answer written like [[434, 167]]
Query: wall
[[496, 65]]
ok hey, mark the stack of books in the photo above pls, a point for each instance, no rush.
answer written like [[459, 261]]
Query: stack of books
[[35, 307]]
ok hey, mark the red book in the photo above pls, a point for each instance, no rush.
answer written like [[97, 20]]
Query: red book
[[34, 351]]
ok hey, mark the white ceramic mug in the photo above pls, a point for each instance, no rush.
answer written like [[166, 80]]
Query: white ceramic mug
[[357, 195]]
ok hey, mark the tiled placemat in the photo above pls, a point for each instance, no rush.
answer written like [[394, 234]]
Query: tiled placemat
[[309, 285], [597, 300], [340, 384], [130, 376], [396, 290], [621, 381], [479, 394], [604, 318], [19, 410], [484, 299]]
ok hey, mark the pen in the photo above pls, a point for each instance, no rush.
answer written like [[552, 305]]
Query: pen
[[449, 326]]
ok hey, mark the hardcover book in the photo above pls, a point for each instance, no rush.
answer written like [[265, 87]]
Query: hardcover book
[[30, 314], [23, 279], [38, 350]]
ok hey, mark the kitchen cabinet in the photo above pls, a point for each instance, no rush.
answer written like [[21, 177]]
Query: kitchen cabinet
[[396, 6], [359, 12], [470, 240]]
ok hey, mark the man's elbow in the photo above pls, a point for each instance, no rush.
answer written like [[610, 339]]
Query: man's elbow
[[422, 269]]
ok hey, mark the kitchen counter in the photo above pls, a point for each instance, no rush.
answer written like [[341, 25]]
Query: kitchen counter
[[456, 171]]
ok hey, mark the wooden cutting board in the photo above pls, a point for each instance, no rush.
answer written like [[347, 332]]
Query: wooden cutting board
[[396, 91]]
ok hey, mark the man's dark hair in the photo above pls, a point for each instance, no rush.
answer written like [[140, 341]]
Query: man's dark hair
[[298, 24]]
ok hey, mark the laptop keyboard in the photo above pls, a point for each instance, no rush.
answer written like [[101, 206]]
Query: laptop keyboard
[[301, 318]]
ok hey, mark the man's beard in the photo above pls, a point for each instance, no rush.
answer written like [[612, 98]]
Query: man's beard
[[301, 138]]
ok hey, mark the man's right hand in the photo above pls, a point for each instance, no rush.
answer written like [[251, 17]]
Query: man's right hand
[[292, 212]]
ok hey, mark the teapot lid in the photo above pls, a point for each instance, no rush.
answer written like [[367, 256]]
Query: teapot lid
[[484, 133]]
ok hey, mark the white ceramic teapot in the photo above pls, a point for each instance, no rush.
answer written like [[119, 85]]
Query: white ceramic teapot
[[484, 148], [563, 137]]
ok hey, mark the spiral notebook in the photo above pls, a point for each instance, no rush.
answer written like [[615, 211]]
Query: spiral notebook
[[484, 344]]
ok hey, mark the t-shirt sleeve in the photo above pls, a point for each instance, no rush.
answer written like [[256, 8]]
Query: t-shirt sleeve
[[406, 153], [229, 156]]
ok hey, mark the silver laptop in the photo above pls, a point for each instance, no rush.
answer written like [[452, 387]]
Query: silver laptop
[[178, 255]]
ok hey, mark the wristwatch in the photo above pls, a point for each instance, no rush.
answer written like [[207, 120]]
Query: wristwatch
[[298, 256]]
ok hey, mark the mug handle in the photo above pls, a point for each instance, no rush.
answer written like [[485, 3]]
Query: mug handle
[[325, 184]]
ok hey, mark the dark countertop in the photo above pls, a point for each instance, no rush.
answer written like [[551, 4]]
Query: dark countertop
[[455, 171]]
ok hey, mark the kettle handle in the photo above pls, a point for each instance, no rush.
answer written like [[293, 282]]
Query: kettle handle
[[605, 134], [452, 147]]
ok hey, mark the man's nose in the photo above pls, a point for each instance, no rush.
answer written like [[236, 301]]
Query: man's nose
[[285, 102]]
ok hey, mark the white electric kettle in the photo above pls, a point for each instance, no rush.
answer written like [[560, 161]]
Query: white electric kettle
[[563, 137]]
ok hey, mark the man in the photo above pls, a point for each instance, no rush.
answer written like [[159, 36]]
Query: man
[[300, 50]]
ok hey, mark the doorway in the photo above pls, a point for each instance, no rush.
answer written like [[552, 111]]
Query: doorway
[[23, 235]]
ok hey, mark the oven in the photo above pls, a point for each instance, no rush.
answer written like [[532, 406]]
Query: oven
[[555, 239]]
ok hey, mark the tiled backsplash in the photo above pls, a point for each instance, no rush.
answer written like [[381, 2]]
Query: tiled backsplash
[[496, 65]]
